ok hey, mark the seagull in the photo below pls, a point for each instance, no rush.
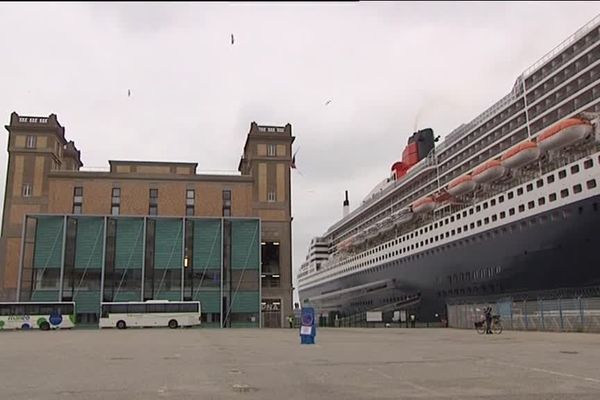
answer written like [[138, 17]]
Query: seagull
[[327, 102], [128, 92], [232, 39]]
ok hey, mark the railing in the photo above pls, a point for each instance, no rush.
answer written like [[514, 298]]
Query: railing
[[571, 39]]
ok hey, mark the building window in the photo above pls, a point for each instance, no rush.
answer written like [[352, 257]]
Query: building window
[[510, 195], [591, 184], [552, 197], [529, 187], [115, 201], [562, 174], [521, 207], [31, 142], [541, 201], [271, 197], [271, 150], [539, 183], [588, 164], [577, 188], [26, 191], [77, 199], [575, 169], [519, 191], [190, 202], [564, 193], [227, 203], [550, 179], [531, 204], [511, 211], [153, 202]]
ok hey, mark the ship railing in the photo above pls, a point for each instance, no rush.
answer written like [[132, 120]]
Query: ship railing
[[584, 30]]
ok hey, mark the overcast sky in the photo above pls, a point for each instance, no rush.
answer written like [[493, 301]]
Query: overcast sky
[[386, 67]]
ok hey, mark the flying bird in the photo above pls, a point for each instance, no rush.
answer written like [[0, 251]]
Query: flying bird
[[327, 102], [128, 92], [232, 39]]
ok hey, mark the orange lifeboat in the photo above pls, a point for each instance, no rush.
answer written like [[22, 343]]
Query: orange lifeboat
[[520, 155], [461, 185], [488, 171], [564, 133], [424, 204]]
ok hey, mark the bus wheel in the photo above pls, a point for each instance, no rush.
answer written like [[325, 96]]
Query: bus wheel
[[121, 324], [45, 326], [173, 324]]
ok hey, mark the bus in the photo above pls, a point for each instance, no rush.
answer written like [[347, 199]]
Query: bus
[[150, 313], [41, 315]]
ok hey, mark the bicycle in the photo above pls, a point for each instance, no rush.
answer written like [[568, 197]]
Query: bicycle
[[496, 326]]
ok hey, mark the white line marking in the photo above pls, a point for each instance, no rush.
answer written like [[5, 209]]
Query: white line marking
[[547, 371]]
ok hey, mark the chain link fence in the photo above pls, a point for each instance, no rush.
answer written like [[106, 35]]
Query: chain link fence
[[570, 314]]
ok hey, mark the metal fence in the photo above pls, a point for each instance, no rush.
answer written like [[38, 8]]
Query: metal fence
[[574, 314]]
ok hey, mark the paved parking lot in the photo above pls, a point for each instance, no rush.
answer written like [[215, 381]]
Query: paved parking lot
[[271, 364]]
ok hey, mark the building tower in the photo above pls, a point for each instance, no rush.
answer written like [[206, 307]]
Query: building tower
[[36, 145], [267, 158]]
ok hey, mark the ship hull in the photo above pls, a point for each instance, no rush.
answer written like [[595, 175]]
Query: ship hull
[[551, 250]]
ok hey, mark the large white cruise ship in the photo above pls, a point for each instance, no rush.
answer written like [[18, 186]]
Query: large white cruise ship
[[507, 202]]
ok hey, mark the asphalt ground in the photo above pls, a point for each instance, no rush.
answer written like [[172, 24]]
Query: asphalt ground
[[350, 363]]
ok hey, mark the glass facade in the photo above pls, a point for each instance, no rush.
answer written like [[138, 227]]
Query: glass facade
[[113, 259]]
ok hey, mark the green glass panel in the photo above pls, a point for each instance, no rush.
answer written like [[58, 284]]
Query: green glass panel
[[168, 244], [210, 300], [168, 295], [89, 242], [44, 295], [127, 296], [87, 301], [245, 242], [245, 302], [129, 251], [48, 242], [207, 244]]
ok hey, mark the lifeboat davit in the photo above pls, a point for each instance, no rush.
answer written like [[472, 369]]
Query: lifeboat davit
[[424, 204], [520, 155], [488, 171], [461, 185], [564, 133]]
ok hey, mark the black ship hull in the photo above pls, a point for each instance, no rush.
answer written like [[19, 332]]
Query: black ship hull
[[556, 249]]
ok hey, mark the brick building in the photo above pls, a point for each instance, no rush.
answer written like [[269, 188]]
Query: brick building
[[45, 183]]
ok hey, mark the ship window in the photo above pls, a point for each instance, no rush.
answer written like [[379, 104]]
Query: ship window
[[531, 204], [562, 174], [485, 205], [575, 169], [529, 187], [591, 184], [588, 164], [550, 179], [552, 197], [564, 193], [519, 191], [494, 218], [577, 188], [521, 207], [510, 195], [541, 201], [501, 199], [479, 223]]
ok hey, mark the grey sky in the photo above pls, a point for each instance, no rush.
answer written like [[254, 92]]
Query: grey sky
[[383, 65]]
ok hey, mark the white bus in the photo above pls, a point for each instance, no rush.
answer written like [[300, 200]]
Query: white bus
[[42, 315], [150, 314]]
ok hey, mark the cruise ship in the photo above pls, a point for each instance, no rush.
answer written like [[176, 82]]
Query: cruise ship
[[506, 203]]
